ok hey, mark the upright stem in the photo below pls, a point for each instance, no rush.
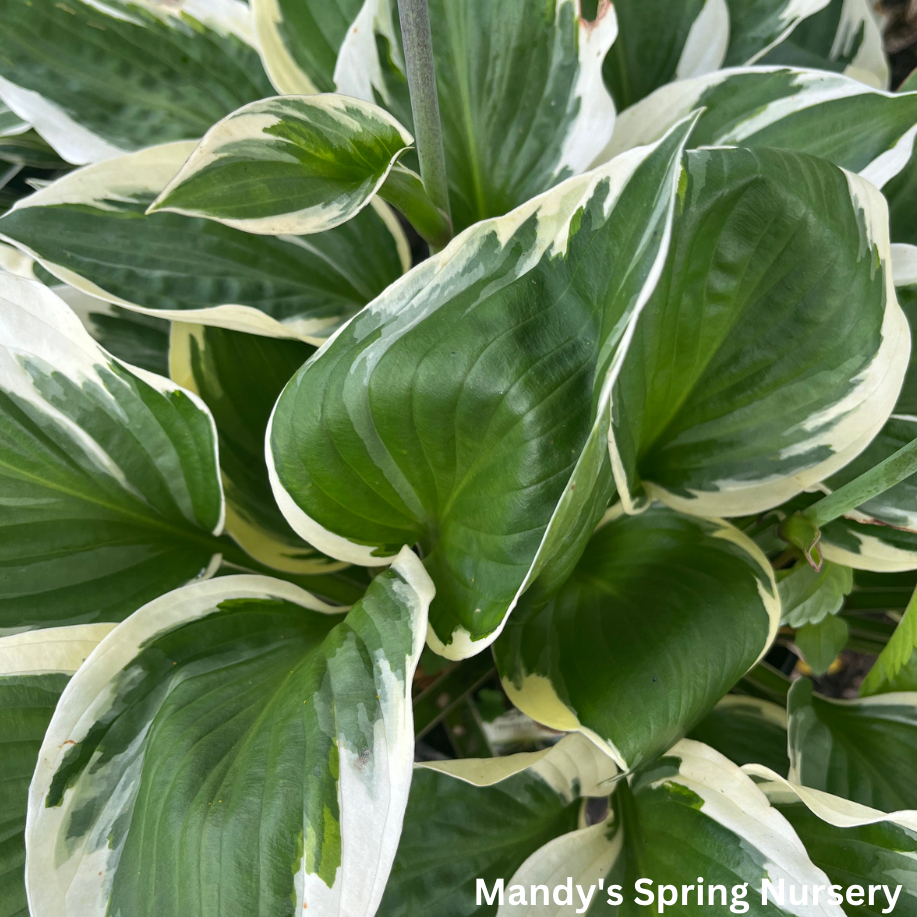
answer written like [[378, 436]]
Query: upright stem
[[428, 133], [876, 481]]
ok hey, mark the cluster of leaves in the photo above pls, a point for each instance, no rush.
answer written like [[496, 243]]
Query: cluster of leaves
[[253, 458]]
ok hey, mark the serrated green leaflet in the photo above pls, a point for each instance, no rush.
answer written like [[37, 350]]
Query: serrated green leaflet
[[590, 659], [844, 37], [218, 687], [746, 730], [108, 475], [290, 164], [765, 360], [828, 115], [520, 90], [457, 410], [239, 376], [692, 814], [472, 819], [896, 667], [807, 595], [34, 669], [662, 41], [861, 750], [90, 230], [300, 41], [100, 80]]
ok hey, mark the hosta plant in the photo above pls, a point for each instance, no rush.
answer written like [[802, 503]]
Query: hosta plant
[[523, 389]]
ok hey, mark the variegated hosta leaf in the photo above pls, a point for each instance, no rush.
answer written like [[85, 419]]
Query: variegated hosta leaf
[[756, 26], [34, 669], [240, 739], [692, 814], [480, 819], [464, 409], [895, 669], [290, 164], [108, 474], [661, 41], [521, 96], [98, 80], [863, 750], [853, 844], [592, 659], [808, 596], [828, 115], [90, 230], [843, 37], [239, 377], [773, 348], [747, 730], [301, 39], [881, 535]]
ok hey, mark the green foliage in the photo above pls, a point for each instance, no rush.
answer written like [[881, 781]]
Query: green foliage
[[641, 423]]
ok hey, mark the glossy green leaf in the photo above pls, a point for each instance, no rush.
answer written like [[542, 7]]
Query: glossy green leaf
[[300, 41], [862, 750], [821, 642], [901, 192], [844, 37], [828, 115], [474, 819], [807, 595], [756, 26], [201, 696], [90, 230], [34, 669], [661, 41], [97, 80], [464, 409], [288, 165], [773, 348], [895, 669], [747, 730], [591, 659], [108, 474], [692, 814], [239, 377], [521, 96]]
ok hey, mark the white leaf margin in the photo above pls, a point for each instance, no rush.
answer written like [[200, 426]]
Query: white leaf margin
[[52, 650]]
